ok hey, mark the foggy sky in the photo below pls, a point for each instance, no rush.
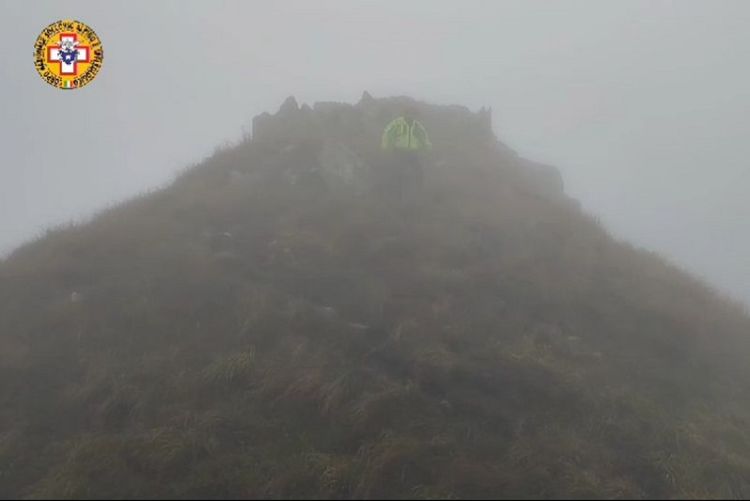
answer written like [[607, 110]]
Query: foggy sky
[[643, 105]]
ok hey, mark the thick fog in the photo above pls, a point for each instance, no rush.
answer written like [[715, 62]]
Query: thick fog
[[643, 105]]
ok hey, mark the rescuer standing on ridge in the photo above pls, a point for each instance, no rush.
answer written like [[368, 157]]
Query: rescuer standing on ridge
[[406, 137]]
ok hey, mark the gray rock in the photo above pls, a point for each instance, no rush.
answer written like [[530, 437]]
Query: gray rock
[[340, 165], [366, 99], [543, 179], [289, 106]]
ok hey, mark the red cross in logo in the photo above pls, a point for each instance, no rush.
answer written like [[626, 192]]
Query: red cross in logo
[[68, 40]]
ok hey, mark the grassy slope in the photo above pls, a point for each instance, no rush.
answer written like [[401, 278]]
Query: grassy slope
[[484, 341]]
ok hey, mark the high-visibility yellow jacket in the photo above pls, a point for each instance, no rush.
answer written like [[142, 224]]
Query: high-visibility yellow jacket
[[401, 135]]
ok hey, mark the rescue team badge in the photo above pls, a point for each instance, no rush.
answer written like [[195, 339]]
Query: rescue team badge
[[68, 54]]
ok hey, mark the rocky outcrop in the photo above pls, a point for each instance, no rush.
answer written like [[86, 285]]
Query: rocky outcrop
[[543, 179], [335, 130]]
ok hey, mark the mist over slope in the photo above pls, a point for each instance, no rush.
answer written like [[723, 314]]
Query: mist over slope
[[277, 323]]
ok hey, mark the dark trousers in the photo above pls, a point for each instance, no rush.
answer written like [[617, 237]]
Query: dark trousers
[[407, 172]]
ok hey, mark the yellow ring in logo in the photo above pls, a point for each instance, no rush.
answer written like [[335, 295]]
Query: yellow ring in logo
[[68, 54]]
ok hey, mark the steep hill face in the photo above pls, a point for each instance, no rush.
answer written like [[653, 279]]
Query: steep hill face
[[279, 323]]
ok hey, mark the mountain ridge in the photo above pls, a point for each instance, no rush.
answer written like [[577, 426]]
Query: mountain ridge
[[275, 323]]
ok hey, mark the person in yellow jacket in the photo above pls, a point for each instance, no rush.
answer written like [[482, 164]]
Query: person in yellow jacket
[[406, 133], [405, 137]]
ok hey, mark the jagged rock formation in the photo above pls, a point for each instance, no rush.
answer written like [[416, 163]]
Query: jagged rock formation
[[274, 324], [340, 129]]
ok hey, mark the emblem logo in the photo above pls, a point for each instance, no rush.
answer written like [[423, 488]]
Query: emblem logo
[[68, 54]]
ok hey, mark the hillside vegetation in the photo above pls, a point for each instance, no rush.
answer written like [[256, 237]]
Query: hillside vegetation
[[277, 323]]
